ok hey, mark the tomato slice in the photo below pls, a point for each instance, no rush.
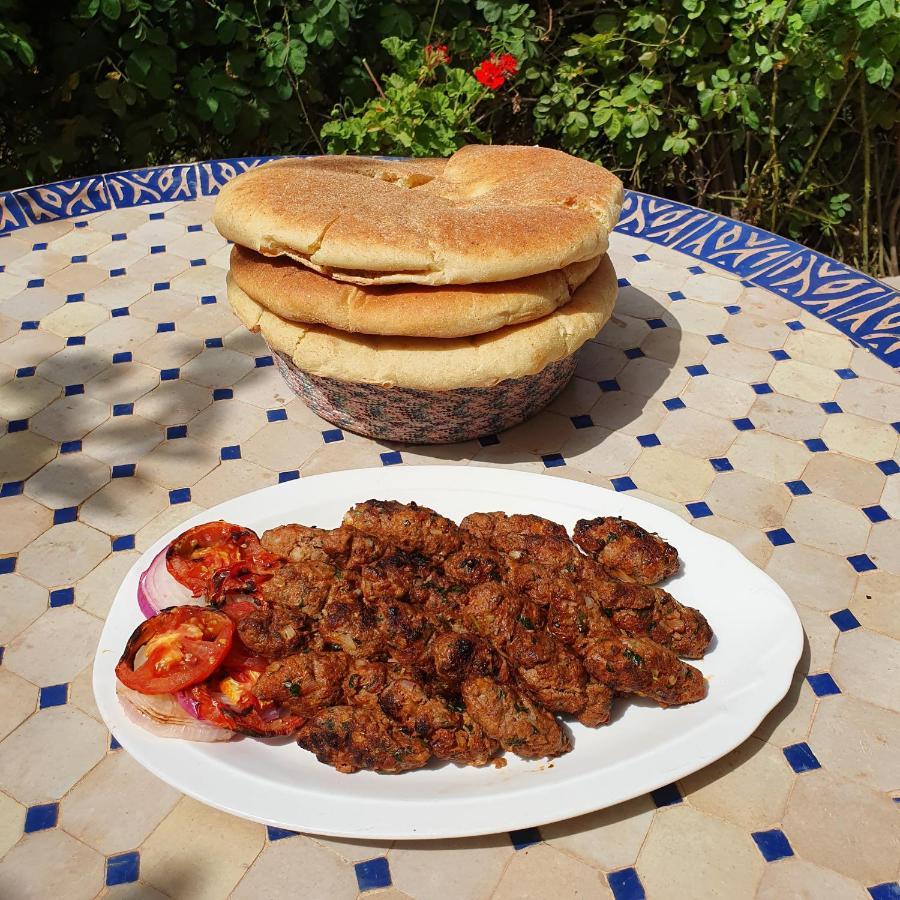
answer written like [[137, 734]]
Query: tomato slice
[[242, 577], [226, 699], [238, 609], [195, 556], [180, 647]]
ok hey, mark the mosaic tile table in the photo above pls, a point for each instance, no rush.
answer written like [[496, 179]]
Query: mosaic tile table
[[727, 389]]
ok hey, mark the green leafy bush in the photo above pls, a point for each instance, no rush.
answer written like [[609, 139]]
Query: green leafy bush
[[780, 112]]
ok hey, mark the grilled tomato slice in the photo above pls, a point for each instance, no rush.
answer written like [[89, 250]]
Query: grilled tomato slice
[[179, 647]]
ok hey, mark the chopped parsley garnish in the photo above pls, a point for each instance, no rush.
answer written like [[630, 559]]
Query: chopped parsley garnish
[[633, 657]]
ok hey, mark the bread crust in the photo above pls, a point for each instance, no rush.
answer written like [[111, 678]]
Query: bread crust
[[488, 213], [437, 364]]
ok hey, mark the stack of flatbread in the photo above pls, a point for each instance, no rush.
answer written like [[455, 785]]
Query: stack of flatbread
[[424, 300]]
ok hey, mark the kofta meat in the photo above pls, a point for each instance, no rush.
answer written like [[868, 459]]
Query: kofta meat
[[405, 525], [626, 550], [304, 683], [304, 586], [274, 630]]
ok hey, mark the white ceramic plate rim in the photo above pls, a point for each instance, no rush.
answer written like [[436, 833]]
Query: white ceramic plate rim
[[524, 794]]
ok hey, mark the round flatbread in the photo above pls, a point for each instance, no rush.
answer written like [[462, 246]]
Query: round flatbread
[[299, 294], [485, 214], [437, 364]]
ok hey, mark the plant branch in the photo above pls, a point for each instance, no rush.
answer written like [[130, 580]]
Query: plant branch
[[365, 63]]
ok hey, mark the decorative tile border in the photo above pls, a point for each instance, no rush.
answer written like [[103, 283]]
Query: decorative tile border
[[861, 307]]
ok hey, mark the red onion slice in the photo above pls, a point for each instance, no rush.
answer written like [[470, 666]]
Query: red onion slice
[[162, 715], [157, 589]]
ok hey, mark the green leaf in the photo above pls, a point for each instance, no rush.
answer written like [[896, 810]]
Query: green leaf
[[639, 125], [112, 9]]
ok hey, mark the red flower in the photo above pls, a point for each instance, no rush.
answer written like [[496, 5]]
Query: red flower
[[435, 54], [492, 72]]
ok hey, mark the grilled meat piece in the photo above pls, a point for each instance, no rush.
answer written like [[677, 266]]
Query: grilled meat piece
[[403, 630], [473, 564], [393, 575], [509, 717], [405, 525], [304, 586], [457, 657], [299, 543], [305, 682], [351, 738], [496, 527], [626, 550], [274, 630], [350, 624]]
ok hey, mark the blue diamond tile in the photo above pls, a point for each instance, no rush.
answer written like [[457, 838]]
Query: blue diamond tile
[[30, 325], [70, 447], [698, 510], [54, 695], [779, 354], [75, 298], [161, 286], [62, 597], [195, 227], [798, 488], [293, 475], [122, 357], [623, 484], [795, 325], [778, 537], [695, 270], [71, 390], [634, 353], [831, 407], [276, 415], [17, 425], [876, 513], [674, 403], [656, 323], [801, 758], [666, 796], [846, 374], [623, 282], [223, 394], [732, 310], [676, 295], [641, 257], [81, 224], [772, 844], [42, 245], [116, 273], [583, 421], [123, 409], [332, 435], [279, 834], [648, 440], [722, 464], [392, 458], [861, 563], [743, 424], [35, 283], [156, 215], [76, 341], [158, 248], [889, 890], [173, 432], [120, 236], [373, 874], [169, 374], [889, 466], [208, 299], [163, 327], [79, 258], [67, 514], [823, 684], [762, 388], [525, 837], [488, 440], [11, 488], [609, 384], [113, 743], [213, 343], [626, 885], [845, 620], [41, 817], [553, 460], [123, 868], [125, 542], [198, 262], [25, 372], [231, 452], [179, 495], [717, 339], [120, 311], [263, 361]]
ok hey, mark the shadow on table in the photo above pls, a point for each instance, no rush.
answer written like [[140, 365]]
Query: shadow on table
[[618, 373]]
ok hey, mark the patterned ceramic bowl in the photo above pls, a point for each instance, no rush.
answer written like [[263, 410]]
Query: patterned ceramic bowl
[[426, 417]]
